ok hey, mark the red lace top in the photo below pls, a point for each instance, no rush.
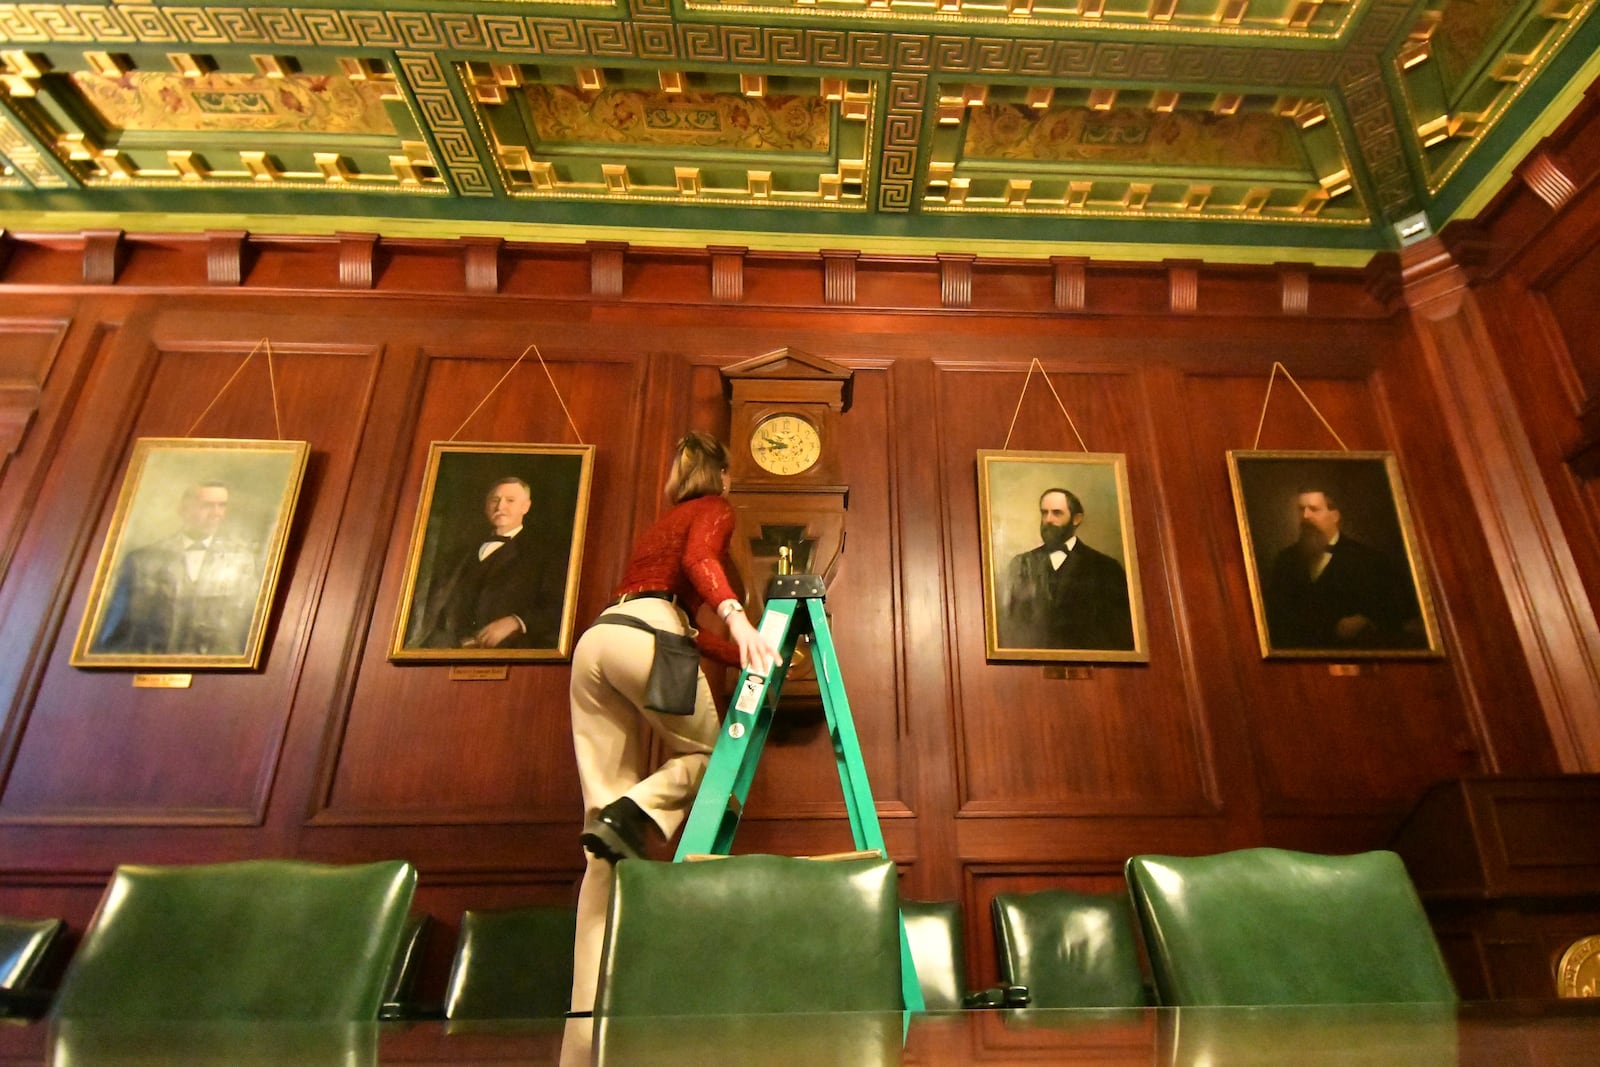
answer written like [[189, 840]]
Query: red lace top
[[684, 553]]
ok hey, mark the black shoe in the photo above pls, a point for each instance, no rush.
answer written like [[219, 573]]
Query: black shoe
[[617, 831]]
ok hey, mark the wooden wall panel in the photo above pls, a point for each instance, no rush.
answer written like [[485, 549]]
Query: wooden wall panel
[[1532, 268], [1577, 315], [1312, 730], [28, 350], [1123, 739], [418, 745], [203, 754], [33, 345], [1499, 735]]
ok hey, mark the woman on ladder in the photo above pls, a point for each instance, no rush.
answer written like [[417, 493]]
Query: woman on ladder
[[678, 564]]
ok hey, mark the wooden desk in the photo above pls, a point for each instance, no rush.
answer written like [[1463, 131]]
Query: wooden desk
[[1491, 1034]]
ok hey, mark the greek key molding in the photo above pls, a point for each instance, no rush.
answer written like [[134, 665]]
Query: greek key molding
[[902, 142], [455, 149], [24, 158]]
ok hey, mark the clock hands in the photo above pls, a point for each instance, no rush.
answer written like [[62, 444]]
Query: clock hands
[[785, 445]]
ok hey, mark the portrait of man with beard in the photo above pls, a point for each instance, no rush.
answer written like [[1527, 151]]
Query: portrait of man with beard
[[1329, 591], [1064, 594]]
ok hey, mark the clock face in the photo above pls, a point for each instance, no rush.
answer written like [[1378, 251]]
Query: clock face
[[785, 444]]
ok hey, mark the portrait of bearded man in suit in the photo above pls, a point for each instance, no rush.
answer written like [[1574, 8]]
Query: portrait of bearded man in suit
[[1064, 594], [1329, 591]]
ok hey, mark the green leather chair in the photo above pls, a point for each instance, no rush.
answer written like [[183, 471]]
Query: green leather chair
[[1268, 926], [750, 934], [933, 930], [24, 946], [258, 940], [1071, 950], [512, 964], [399, 988]]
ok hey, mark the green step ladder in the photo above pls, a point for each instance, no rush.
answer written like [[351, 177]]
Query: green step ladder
[[793, 609]]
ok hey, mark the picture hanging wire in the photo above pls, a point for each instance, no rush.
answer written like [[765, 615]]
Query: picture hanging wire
[[1059, 404], [535, 350], [272, 385], [1276, 367]]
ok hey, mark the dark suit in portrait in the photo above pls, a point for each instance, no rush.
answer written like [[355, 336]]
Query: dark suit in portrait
[[181, 596], [1081, 604], [1305, 605], [516, 579]]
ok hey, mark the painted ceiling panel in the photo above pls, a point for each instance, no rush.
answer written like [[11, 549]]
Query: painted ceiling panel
[[1315, 129]]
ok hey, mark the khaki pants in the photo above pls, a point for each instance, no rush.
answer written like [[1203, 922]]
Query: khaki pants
[[610, 667]]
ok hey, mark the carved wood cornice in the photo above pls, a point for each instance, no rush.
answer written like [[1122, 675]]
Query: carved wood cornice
[[839, 276], [482, 263], [1432, 280], [955, 279], [1183, 287], [1549, 178], [727, 274], [1071, 274], [1296, 284], [605, 267], [102, 256], [357, 252], [225, 251]]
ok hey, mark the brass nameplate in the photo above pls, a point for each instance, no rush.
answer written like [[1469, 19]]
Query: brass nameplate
[[162, 681], [1070, 674], [496, 672], [1344, 670]]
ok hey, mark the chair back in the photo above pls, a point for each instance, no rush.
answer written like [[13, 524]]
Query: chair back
[[1269, 926], [256, 940], [1072, 950], [399, 988], [938, 949], [751, 934], [24, 944], [512, 964]]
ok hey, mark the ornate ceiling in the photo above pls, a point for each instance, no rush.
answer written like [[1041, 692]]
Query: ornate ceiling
[[1314, 130]]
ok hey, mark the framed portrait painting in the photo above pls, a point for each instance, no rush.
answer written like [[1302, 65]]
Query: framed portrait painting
[[1060, 575], [492, 569], [1331, 556], [190, 564]]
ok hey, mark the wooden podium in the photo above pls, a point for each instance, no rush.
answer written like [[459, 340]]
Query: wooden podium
[[1509, 871]]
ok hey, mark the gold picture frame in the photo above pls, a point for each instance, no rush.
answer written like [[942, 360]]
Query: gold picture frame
[[463, 601], [1085, 608], [190, 565], [1331, 555]]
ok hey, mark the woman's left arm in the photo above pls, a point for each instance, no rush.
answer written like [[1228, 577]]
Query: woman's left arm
[[709, 533]]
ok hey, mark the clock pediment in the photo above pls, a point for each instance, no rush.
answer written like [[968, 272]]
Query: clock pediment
[[789, 365]]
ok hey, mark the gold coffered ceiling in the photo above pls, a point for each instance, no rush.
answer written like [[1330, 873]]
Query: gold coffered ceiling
[[1268, 129]]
